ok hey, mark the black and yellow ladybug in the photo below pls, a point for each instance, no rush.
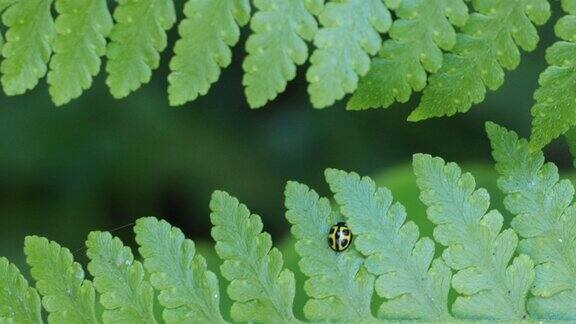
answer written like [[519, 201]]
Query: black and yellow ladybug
[[340, 237]]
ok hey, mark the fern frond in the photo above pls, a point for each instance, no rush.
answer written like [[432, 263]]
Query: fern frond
[[28, 44], [339, 285], [261, 289], [348, 36], [19, 303], [66, 295], [476, 247], [415, 286], [210, 28], [422, 31], [277, 44], [554, 112], [488, 45], [125, 293], [188, 290], [136, 41], [545, 219], [82, 27]]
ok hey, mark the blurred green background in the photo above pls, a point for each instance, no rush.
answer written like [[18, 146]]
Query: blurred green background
[[100, 163]]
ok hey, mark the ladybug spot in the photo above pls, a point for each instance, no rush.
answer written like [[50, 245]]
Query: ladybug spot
[[346, 232], [330, 241], [344, 242]]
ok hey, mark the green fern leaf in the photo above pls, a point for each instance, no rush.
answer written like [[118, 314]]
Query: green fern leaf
[[415, 286], [477, 249], [261, 289], [67, 296], [28, 44], [6, 3], [125, 293], [206, 35], [188, 291], [488, 45], [82, 27], [349, 35], [545, 219], [340, 287], [421, 32], [19, 303], [554, 111], [136, 41], [276, 46]]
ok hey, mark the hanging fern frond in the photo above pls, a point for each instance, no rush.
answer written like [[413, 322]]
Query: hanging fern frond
[[121, 281], [262, 290], [545, 219], [210, 28], [82, 27], [339, 286], [277, 44], [476, 247], [488, 45], [136, 40], [19, 303], [66, 295], [28, 44], [555, 110], [350, 33], [189, 292], [422, 31], [415, 286]]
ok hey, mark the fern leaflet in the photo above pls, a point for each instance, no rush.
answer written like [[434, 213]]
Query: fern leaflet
[[206, 35], [340, 287], [125, 292], [553, 114], [28, 44], [262, 290], [277, 45], [418, 36], [415, 286], [188, 291], [4, 4], [82, 27], [136, 41], [477, 249], [349, 35], [488, 45], [545, 219], [19, 303], [67, 296]]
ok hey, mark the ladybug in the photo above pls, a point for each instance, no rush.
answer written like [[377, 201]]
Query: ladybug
[[340, 237]]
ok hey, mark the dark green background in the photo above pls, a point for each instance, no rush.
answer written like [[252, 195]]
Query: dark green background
[[99, 163]]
